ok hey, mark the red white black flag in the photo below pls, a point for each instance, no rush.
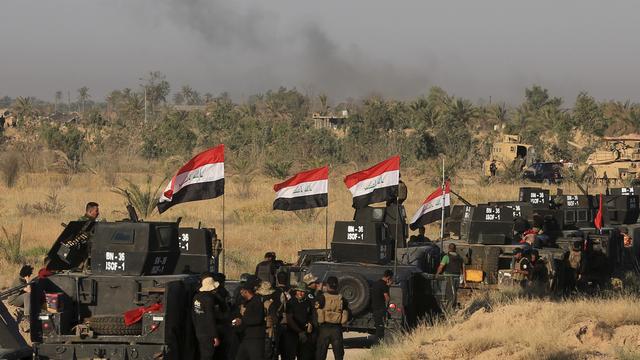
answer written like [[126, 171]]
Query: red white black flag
[[199, 179], [305, 190], [431, 208], [375, 184]]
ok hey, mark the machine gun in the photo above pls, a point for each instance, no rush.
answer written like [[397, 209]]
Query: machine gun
[[133, 215]]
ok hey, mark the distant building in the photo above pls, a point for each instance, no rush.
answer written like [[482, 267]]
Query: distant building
[[330, 120]]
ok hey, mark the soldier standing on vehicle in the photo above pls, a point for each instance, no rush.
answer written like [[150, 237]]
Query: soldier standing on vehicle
[[266, 269], [451, 263], [297, 341], [272, 315], [204, 317], [420, 238], [493, 168], [380, 301], [91, 212], [332, 312], [250, 323], [521, 267]]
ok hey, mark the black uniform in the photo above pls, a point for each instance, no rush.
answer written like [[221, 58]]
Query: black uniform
[[272, 317], [252, 331], [266, 271], [296, 340], [283, 293], [330, 333], [204, 322], [223, 323], [379, 306]]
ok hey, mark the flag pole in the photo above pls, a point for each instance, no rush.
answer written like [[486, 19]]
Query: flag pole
[[326, 229], [223, 252], [442, 210]]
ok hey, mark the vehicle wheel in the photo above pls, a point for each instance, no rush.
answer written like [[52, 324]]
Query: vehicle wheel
[[355, 289], [113, 325]]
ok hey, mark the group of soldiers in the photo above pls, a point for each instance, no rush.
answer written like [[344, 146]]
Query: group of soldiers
[[265, 318]]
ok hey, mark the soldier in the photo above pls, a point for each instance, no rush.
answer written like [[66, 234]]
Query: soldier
[[493, 168], [272, 315], [22, 298], [223, 313], [204, 317], [332, 312], [297, 341], [420, 238], [379, 301], [282, 292], [574, 265], [538, 276], [266, 269], [250, 323], [521, 267], [451, 263], [92, 211]]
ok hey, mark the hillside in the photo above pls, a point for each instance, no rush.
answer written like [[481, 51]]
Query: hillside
[[528, 329]]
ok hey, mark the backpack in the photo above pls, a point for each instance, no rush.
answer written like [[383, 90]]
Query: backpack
[[333, 311]]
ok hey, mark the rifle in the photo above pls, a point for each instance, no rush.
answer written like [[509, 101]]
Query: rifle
[[133, 215], [16, 289]]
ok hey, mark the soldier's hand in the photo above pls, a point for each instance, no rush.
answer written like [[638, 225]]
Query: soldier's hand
[[236, 322], [216, 342]]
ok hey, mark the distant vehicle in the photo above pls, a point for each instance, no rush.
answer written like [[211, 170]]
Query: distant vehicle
[[506, 152], [547, 172], [617, 159]]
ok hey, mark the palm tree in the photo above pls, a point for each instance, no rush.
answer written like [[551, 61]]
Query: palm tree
[[58, 98], [23, 107], [83, 95]]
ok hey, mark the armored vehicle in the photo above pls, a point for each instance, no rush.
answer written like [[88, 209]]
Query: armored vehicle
[[616, 161], [120, 290], [12, 344], [361, 250], [487, 234], [508, 151]]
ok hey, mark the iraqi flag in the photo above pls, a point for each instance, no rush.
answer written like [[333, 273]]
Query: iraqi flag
[[201, 178], [375, 184], [431, 208], [304, 190]]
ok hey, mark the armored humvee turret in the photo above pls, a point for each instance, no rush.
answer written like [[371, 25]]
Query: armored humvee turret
[[120, 290], [507, 151]]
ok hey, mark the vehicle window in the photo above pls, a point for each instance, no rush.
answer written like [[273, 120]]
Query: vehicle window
[[165, 235], [123, 237], [582, 215], [569, 216]]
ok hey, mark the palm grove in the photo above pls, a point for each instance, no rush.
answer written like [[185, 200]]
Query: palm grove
[[274, 132]]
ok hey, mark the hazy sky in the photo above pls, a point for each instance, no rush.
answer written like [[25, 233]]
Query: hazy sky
[[474, 49]]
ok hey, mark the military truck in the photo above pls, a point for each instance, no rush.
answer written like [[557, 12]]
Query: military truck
[[361, 250], [487, 234], [106, 272], [616, 161], [507, 151]]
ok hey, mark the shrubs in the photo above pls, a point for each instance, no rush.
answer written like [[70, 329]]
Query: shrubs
[[51, 206], [70, 143], [10, 168], [10, 243], [143, 198], [278, 169]]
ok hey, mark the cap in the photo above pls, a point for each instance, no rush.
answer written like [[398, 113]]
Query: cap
[[309, 279], [301, 287], [265, 289], [208, 284], [517, 251]]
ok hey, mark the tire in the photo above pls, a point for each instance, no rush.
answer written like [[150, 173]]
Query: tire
[[113, 325], [355, 289]]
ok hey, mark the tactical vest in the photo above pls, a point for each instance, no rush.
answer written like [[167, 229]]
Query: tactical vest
[[333, 312], [269, 321], [574, 259], [520, 276], [455, 264]]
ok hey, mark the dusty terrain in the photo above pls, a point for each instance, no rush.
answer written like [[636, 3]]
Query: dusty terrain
[[528, 329]]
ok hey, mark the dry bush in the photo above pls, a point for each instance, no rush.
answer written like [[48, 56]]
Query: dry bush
[[10, 168], [143, 198], [10, 244], [50, 206]]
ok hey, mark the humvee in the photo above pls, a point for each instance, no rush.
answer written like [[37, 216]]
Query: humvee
[[506, 152]]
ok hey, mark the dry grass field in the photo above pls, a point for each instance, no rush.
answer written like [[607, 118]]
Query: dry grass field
[[251, 226], [528, 329]]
